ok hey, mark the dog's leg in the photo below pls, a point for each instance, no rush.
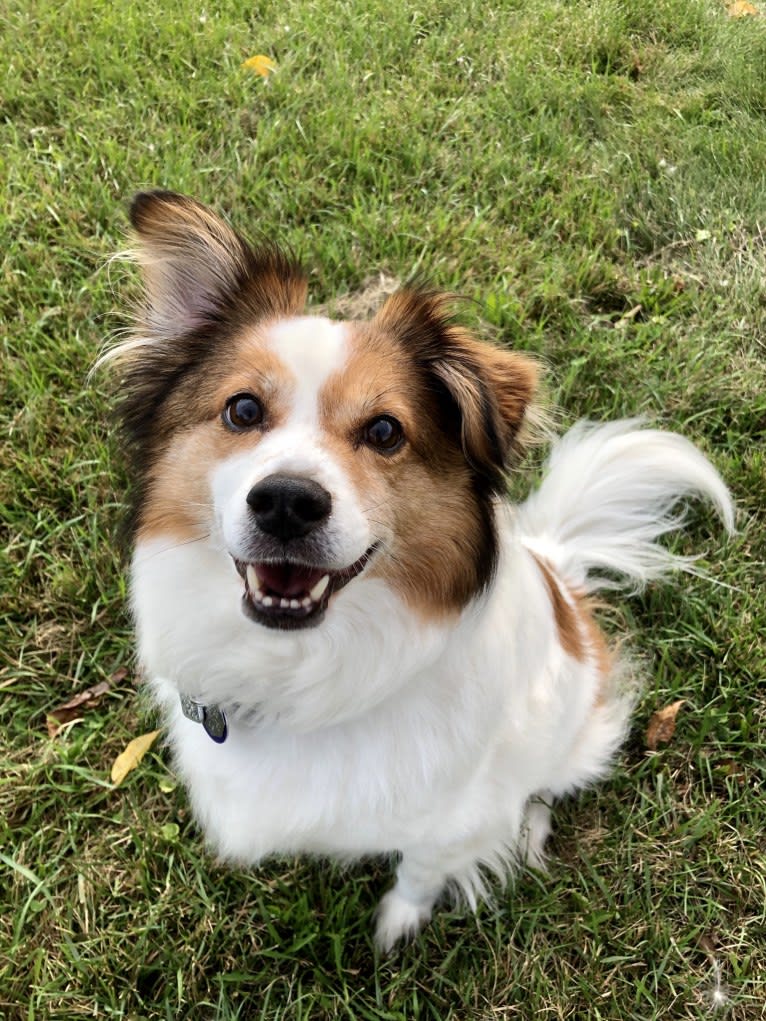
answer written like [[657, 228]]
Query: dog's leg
[[536, 829], [424, 872], [406, 908]]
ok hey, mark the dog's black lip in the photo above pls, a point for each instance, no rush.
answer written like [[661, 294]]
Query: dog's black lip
[[294, 619]]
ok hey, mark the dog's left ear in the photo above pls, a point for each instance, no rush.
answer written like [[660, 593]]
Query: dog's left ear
[[490, 388]]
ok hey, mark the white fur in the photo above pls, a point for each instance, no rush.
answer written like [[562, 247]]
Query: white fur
[[375, 733], [313, 348], [611, 490]]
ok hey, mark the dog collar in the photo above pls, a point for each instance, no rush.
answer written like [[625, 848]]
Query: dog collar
[[211, 717]]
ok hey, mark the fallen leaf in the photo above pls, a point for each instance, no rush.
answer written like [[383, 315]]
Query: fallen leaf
[[130, 758], [741, 9], [627, 317], [74, 708], [119, 675], [260, 64], [662, 725]]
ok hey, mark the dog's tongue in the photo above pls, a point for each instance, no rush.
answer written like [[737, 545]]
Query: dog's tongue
[[288, 580]]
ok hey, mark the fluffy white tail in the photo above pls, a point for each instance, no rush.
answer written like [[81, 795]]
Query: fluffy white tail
[[609, 492]]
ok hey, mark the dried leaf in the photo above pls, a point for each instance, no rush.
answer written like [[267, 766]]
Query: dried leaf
[[130, 758], [260, 64], [741, 9], [627, 317], [662, 725], [119, 675], [74, 708]]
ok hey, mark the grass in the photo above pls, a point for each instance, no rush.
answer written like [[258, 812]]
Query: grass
[[593, 174]]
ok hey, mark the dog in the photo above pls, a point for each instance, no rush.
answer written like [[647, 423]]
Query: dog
[[358, 644]]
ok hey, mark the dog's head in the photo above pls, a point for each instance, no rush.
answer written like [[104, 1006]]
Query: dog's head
[[311, 452]]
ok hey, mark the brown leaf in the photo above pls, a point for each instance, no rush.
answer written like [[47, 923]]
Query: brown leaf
[[662, 725], [741, 9], [627, 317], [119, 675], [128, 760], [75, 707]]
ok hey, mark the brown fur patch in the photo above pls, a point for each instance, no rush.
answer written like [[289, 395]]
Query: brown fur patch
[[178, 504], [490, 387], [579, 634], [603, 657], [440, 543], [564, 613], [177, 499]]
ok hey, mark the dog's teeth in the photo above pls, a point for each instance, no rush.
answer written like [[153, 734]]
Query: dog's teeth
[[267, 601], [318, 590], [284, 603], [252, 579], [294, 604], [306, 602]]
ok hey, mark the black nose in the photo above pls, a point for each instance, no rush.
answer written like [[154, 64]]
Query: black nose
[[288, 506]]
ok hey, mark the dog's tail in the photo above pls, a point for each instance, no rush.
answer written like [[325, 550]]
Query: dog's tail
[[608, 493]]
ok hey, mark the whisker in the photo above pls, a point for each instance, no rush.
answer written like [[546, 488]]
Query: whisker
[[374, 506], [390, 553], [177, 545]]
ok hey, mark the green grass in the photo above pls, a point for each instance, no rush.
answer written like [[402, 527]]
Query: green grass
[[562, 164]]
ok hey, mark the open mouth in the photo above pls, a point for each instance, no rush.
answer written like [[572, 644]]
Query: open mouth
[[287, 595]]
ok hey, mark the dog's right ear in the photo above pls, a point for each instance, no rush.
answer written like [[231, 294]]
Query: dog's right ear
[[199, 273]]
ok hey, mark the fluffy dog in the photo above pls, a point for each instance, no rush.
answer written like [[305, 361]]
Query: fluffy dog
[[359, 646]]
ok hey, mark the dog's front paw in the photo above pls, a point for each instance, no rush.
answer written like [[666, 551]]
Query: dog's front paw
[[399, 919]]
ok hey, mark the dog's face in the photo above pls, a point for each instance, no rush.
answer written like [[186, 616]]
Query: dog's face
[[311, 452]]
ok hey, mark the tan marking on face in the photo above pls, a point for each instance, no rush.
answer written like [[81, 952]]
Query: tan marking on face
[[419, 498], [254, 367], [179, 502]]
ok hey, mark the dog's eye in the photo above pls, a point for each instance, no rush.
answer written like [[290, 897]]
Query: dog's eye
[[384, 433], [242, 411]]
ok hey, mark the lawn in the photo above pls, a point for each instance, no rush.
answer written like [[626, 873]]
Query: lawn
[[593, 176]]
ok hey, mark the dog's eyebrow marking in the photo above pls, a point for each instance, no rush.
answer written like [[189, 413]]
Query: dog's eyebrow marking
[[564, 613]]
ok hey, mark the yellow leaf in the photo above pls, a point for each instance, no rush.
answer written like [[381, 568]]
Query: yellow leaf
[[741, 9], [662, 725], [260, 64], [130, 758]]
